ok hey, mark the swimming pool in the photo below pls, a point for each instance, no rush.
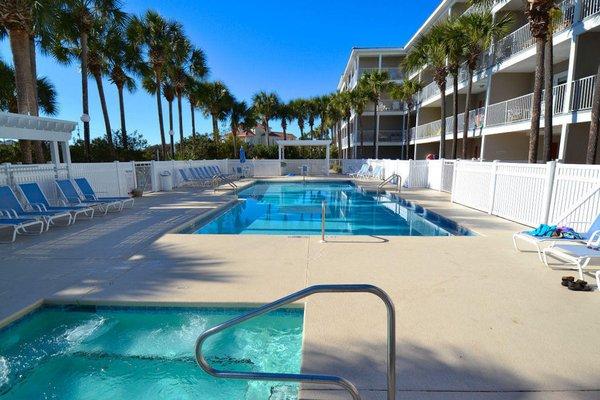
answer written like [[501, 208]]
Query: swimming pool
[[144, 353], [295, 209]]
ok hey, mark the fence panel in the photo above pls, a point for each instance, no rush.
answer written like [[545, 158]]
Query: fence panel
[[316, 167], [434, 178], [572, 185], [266, 168], [418, 174], [107, 179], [43, 174], [352, 165], [472, 182], [519, 192], [447, 175]]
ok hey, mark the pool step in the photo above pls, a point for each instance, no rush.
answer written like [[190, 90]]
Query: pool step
[[284, 392]]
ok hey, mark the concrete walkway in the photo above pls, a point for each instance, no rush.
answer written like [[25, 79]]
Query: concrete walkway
[[475, 319]]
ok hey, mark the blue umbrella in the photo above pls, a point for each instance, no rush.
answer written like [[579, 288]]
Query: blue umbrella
[[242, 155]]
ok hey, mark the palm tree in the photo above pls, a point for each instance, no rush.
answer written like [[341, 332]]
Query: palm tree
[[322, 104], [358, 101], [298, 108], [17, 19], [75, 21], [312, 113], [343, 103], [375, 83], [215, 101], [480, 30], [152, 36], [238, 116], [168, 91], [98, 68], [431, 50], [407, 92], [455, 41], [47, 101], [284, 113], [265, 105], [122, 60], [338, 109], [193, 92], [592, 145]]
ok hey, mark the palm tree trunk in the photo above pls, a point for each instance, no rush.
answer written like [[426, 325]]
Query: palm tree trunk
[[171, 133], [107, 126], [124, 141], [375, 131], [443, 121], [348, 138], [362, 136], [455, 115], [234, 135], [592, 146], [215, 127], [467, 115], [548, 98], [536, 103], [19, 44], [160, 117], [408, 138], [38, 146], [192, 111], [180, 115], [84, 95]]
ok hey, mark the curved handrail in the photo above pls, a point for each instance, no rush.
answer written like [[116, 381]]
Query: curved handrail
[[308, 378]]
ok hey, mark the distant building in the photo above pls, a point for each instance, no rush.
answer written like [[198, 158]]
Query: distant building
[[258, 135]]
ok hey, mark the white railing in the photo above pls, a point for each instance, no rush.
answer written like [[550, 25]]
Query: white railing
[[429, 91], [385, 135], [387, 106], [432, 129], [428, 130], [395, 73], [522, 39], [589, 8], [582, 93], [509, 111]]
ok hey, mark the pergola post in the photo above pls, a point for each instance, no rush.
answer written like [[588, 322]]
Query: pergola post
[[327, 159]]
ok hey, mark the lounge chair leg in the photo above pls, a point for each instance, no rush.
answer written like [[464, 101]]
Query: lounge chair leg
[[598, 280], [515, 243]]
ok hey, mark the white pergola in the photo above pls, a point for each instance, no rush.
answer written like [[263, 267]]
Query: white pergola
[[25, 127], [299, 143]]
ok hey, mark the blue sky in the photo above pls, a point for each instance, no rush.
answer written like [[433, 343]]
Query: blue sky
[[296, 48]]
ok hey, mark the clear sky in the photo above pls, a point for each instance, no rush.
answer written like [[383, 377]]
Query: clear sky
[[295, 48]]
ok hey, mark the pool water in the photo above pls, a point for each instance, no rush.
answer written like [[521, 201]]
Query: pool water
[[295, 209], [124, 353]]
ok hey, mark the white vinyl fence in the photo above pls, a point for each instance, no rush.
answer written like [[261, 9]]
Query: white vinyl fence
[[529, 194]]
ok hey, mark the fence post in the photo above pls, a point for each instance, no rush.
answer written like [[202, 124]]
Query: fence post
[[549, 188], [409, 179], [493, 186], [441, 162], [454, 172], [134, 175], [153, 176], [118, 177]]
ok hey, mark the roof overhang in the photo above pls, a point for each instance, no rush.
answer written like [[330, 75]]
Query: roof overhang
[[26, 127]]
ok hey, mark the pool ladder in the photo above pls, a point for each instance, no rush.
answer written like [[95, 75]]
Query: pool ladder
[[308, 378], [388, 180]]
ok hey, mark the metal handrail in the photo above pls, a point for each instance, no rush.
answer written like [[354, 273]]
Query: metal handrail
[[308, 378], [323, 211], [388, 179]]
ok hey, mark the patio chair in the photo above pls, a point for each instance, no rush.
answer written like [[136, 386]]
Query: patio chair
[[376, 173], [363, 170], [577, 255], [10, 204], [72, 197], [194, 178], [211, 173], [36, 198], [89, 194], [539, 242], [220, 173], [20, 226]]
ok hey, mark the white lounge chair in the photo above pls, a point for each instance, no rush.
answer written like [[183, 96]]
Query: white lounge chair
[[577, 255], [541, 242], [363, 170]]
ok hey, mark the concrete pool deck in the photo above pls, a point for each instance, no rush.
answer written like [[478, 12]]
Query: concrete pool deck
[[475, 319]]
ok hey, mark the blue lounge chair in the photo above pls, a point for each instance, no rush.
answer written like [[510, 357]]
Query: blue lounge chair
[[214, 174], [36, 198], [10, 204], [361, 172], [193, 178], [21, 226], [540, 242], [89, 194], [221, 173], [68, 191]]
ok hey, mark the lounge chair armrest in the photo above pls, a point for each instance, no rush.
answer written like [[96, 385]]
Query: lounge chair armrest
[[10, 213], [594, 240], [39, 206]]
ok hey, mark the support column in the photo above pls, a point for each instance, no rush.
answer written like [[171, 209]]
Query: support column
[[327, 159], [564, 131]]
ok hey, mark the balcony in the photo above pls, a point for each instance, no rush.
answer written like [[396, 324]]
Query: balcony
[[521, 39], [589, 8], [433, 129], [395, 73], [385, 136], [388, 106]]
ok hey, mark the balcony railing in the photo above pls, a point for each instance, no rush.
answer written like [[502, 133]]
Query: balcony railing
[[589, 8], [387, 105], [582, 93], [395, 73], [433, 129], [521, 39], [385, 135]]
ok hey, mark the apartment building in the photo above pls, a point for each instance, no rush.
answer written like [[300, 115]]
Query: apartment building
[[502, 90]]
